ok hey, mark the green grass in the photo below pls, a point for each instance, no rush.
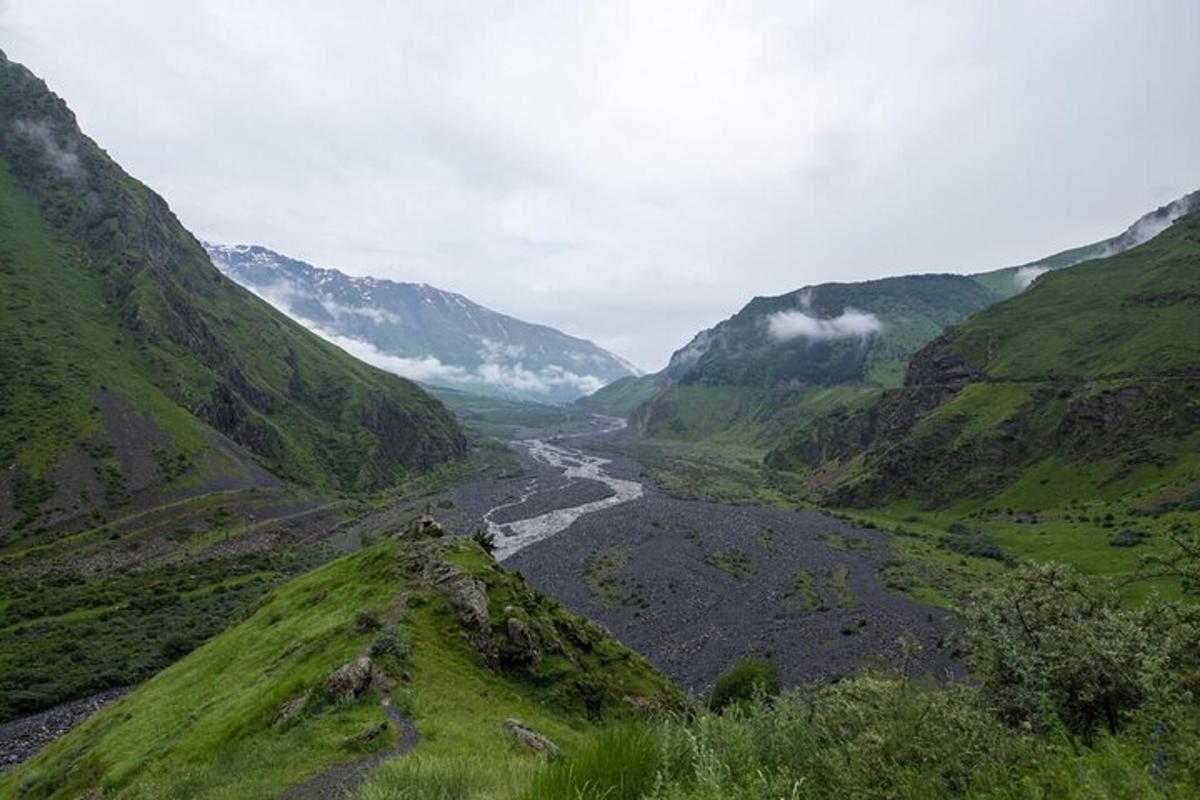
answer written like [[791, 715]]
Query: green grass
[[622, 396], [201, 728], [837, 581], [870, 738], [742, 416], [1087, 321], [733, 562], [69, 357], [605, 576], [802, 597]]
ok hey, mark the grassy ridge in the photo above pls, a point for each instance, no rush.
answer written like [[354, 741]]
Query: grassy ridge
[[202, 727], [1132, 313]]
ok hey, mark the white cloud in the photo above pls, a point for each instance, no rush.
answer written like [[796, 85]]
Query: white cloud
[[499, 370], [1027, 275], [427, 369], [851, 323], [380, 316]]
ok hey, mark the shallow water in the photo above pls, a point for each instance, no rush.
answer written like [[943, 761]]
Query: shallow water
[[575, 465]]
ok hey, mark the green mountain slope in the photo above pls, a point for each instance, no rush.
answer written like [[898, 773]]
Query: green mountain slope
[[1084, 386], [856, 335], [623, 395], [133, 373], [782, 360], [458, 645], [752, 348]]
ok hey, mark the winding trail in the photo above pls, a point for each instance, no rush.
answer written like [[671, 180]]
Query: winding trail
[[339, 781]]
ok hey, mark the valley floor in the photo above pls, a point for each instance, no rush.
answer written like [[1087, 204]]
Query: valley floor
[[695, 585]]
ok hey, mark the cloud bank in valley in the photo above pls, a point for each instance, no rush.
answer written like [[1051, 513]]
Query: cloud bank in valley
[[850, 324], [500, 366]]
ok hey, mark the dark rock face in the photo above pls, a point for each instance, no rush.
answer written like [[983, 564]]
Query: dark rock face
[[225, 411], [941, 363], [1160, 299], [1129, 413], [406, 441], [522, 639], [941, 463]]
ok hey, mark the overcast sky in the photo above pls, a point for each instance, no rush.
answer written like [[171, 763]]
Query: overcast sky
[[633, 172]]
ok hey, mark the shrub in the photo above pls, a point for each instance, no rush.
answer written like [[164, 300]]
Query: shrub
[[1053, 646], [746, 680], [389, 644], [979, 545], [367, 622], [486, 540], [1129, 538]]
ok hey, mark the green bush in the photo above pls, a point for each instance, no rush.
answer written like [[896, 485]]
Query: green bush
[[748, 679], [1053, 646], [865, 738]]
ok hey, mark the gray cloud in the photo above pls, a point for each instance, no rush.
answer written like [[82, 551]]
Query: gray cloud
[[61, 157], [634, 172]]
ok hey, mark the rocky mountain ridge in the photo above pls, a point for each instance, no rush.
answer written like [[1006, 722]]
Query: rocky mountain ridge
[[424, 333]]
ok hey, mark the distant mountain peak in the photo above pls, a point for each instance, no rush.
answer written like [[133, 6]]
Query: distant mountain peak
[[424, 332]]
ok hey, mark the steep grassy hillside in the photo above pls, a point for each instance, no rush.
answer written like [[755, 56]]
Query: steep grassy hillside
[[904, 313], [623, 395], [134, 373], [458, 645], [1084, 387]]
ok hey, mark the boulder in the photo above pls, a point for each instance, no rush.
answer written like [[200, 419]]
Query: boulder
[[466, 594], [532, 739], [350, 680]]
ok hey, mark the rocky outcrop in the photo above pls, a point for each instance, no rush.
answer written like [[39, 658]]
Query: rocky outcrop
[[1130, 413], [949, 361], [228, 413], [532, 739], [467, 595], [525, 645], [407, 441]]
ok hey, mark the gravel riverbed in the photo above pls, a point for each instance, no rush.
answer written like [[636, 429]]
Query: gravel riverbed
[[694, 585]]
